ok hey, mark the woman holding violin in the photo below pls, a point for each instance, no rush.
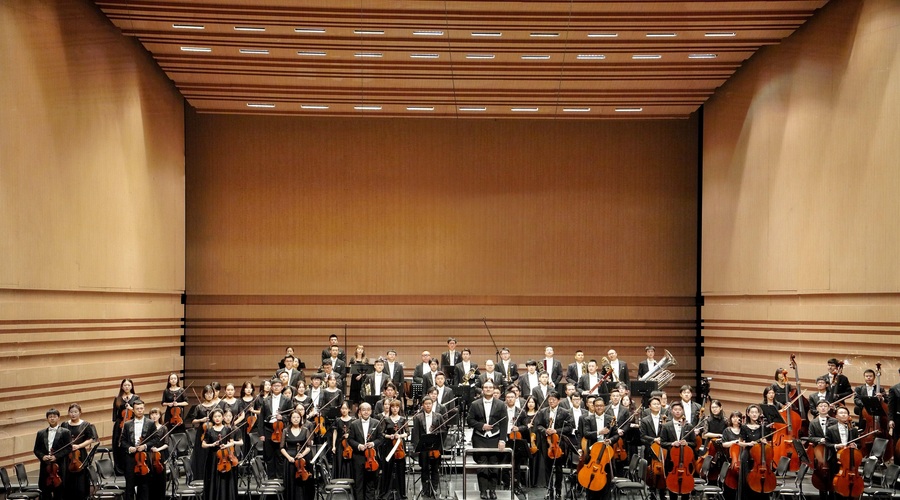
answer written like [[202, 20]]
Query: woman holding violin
[[200, 416], [122, 411], [51, 447], [730, 444], [296, 450], [220, 476], [395, 429], [756, 455], [340, 448], [158, 456], [174, 400], [526, 426], [84, 436]]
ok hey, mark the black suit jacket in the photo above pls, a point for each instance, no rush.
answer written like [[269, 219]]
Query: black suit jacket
[[840, 388], [60, 451], [591, 431], [623, 372], [621, 415], [816, 431], [584, 385], [396, 375], [524, 386], [370, 381], [572, 372], [496, 378], [262, 423], [644, 368], [648, 432], [814, 402], [460, 374], [562, 424], [445, 358], [419, 430], [513, 374], [326, 353], [859, 393], [555, 371], [538, 394], [356, 437], [477, 418], [418, 375], [833, 435]]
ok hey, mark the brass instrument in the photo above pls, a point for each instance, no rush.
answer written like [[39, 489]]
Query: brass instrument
[[605, 366], [660, 373], [583, 368], [367, 389], [468, 376]]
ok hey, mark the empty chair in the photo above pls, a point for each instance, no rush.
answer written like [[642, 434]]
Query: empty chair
[[795, 490], [12, 494], [716, 491], [100, 490], [887, 489], [636, 484], [22, 479]]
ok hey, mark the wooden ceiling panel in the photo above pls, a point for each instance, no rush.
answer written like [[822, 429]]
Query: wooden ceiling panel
[[535, 59]]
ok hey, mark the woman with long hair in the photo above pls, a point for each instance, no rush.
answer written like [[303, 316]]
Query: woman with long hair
[[122, 412]]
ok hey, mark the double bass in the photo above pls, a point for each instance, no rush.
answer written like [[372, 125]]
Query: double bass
[[801, 404], [783, 439], [876, 426], [680, 480]]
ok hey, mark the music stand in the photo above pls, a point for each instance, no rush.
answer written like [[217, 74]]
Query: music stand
[[644, 388], [873, 406], [770, 413], [372, 400], [361, 369], [449, 374]]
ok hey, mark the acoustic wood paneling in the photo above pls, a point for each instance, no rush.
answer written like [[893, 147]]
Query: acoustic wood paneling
[[92, 213], [800, 213], [409, 231]]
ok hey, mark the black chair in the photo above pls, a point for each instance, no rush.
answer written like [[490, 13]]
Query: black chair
[[888, 486], [22, 478], [12, 494], [100, 490]]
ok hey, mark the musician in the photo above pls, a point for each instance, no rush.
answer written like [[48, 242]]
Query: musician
[[818, 427], [543, 389], [328, 372], [552, 366], [315, 390], [489, 374], [530, 380], [365, 434], [273, 410], [429, 378], [821, 394], [598, 428], [423, 369], [428, 443], [157, 480], [293, 376], [382, 406], [287, 350], [578, 413], [717, 422], [866, 390], [121, 408], [619, 367], [342, 464], [590, 382], [752, 433], [690, 409], [219, 481], [443, 393], [651, 426], [52, 447], [731, 436], [484, 414], [450, 357], [576, 368], [615, 408], [376, 382], [138, 436], [295, 446], [894, 409], [174, 396], [394, 429], [230, 401], [646, 366], [394, 368], [338, 364], [566, 401], [84, 436], [781, 386], [550, 421], [466, 369], [333, 342], [676, 434], [356, 381], [520, 446], [507, 367], [838, 437], [838, 383], [332, 396]]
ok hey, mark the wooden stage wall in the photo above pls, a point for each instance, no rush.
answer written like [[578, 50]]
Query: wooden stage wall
[[801, 218], [91, 218], [573, 234]]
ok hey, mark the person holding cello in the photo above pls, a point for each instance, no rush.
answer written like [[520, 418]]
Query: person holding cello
[[51, 447], [651, 426], [731, 438], [599, 428], [838, 383], [295, 446], [677, 437], [138, 436], [755, 466], [839, 438], [866, 389], [84, 436], [821, 468]]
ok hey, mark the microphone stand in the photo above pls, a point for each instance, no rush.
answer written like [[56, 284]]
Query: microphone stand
[[491, 335]]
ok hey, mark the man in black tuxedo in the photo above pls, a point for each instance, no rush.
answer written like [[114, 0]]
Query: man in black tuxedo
[[647, 365], [51, 445], [822, 394], [577, 368], [466, 369], [866, 390], [484, 418], [375, 382], [422, 370], [451, 356], [550, 421], [294, 375], [690, 409], [365, 434], [529, 380], [838, 437], [838, 383], [138, 436], [507, 367], [597, 428], [552, 366], [333, 342], [427, 437], [337, 364], [818, 426], [274, 407], [394, 368], [490, 374], [619, 367], [651, 428], [676, 434]]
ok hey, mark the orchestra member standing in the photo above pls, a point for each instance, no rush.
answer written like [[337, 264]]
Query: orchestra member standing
[[597, 428], [838, 437], [552, 366], [365, 436], [646, 366], [676, 434], [51, 447], [158, 479], [619, 367], [174, 396], [894, 410], [220, 482], [294, 446], [822, 394], [450, 357], [122, 411], [576, 369], [552, 421], [273, 410], [333, 342], [838, 383], [138, 436], [507, 367], [84, 436], [484, 418], [818, 427], [428, 443], [651, 427]]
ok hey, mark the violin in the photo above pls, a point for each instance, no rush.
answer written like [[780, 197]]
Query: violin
[[680, 480], [371, 460], [127, 414], [554, 451], [656, 471], [593, 475], [346, 450], [75, 463], [761, 477], [434, 453], [140, 463], [158, 465], [300, 464], [847, 482], [226, 459], [53, 479], [277, 430]]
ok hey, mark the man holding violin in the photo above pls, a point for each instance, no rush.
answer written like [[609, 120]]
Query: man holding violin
[[365, 437], [271, 413], [138, 436], [51, 447], [553, 423]]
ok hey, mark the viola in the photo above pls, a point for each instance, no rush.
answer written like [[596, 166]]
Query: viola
[[371, 460], [53, 479], [175, 416], [320, 424], [277, 430], [140, 463], [75, 463], [847, 482], [251, 420], [347, 451], [301, 473], [158, 465], [593, 475], [400, 454], [761, 477], [532, 447], [554, 451], [680, 480], [226, 459]]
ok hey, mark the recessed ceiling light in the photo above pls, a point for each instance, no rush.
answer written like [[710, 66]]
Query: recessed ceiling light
[[590, 56], [428, 33], [576, 110], [196, 49], [702, 56], [661, 35], [479, 56], [189, 26], [420, 108], [367, 108], [249, 28], [472, 108], [646, 56], [260, 105], [368, 54], [313, 106], [424, 56], [544, 34], [537, 57], [316, 53], [368, 32], [253, 51], [487, 33], [309, 30], [523, 110], [629, 110], [721, 33], [602, 35]]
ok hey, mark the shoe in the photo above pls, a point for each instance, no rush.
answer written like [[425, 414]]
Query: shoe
[[493, 494], [484, 495]]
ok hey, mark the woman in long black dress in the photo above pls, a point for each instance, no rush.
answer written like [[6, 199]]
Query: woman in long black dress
[[230, 401], [343, 465], [712, 438], [219, 482], [174, 397], [158, 464], [356, 381], [394, 475], [295, 445], [121, 413], [84, 436], [731, 437], [200, 418], [752, 432]]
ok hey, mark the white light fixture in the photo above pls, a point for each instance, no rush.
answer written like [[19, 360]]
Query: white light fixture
[[487, 33], [260, 105], [523, 110], [702, 56], [309, 30], [472, 108], [544, 34], [313, 53], [590, 56], [724, 34], [603, 35], [196, 49], [428, 33], [536, 57], [313, 106], [249, 28], [420, 108], [479, 56], [629, 110], [576, 110], [661, 35], [367, 108], [254, 51], [424, 56], [368, 54], [189, 26], [646, 56], [368, 32]]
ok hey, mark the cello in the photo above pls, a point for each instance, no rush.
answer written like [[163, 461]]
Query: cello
[[733, 475], [821, 476], [761, 477], [656, 471], [680, 480], [877, 425], [847, 482], [593, 475]]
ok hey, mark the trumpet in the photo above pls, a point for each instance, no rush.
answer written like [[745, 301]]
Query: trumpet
[[468, 376]]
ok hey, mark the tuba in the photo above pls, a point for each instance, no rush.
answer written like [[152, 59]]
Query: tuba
[[660, 373]]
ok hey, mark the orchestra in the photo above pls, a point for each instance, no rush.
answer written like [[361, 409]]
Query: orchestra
[[367, 425]]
